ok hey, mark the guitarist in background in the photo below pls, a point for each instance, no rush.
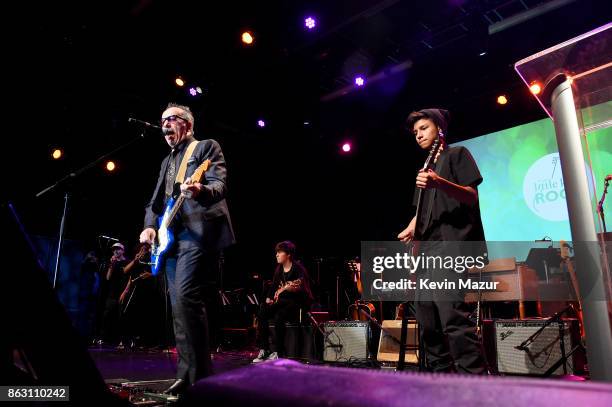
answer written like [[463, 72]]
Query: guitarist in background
[[450, 213], [137, 300], [202, 229], [288, 293]]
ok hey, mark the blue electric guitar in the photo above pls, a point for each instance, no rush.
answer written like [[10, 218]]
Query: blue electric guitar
[[165, 238]]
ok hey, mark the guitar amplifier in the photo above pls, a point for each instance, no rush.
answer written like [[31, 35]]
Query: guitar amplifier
[[541, 354], [344, 340]]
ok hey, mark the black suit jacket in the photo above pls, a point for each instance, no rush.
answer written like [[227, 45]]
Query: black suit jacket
[[206, 217]]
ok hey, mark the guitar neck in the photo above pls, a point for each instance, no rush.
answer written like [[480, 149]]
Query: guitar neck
[[175, 208], [431, 159], [417, 234]]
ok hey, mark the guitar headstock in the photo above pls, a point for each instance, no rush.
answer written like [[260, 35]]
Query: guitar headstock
[[199, 172], [433, 152]]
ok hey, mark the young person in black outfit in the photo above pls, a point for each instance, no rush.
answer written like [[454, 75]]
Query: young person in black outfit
[[450, 212], [115, 280], [288, 293]]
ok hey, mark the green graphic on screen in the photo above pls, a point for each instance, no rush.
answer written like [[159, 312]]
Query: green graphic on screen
[[522, 196]]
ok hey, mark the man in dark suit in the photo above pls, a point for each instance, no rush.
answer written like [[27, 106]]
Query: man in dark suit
[[202, 229]]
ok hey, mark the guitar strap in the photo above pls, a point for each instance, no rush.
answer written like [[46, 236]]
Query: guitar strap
[[180, 175]]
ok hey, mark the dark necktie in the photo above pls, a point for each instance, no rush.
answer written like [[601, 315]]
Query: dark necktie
[[171, 174]]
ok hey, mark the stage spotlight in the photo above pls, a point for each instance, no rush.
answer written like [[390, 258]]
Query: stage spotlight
[[57, 154], [502, 99], [110, 166], [198, 89], [261, 123], [359, 81], [535, 88], [247, 38], [310, 23], [346, 147], [193, 91], [179, 81]]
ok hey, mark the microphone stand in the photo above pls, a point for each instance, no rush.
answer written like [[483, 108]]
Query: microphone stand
[[601, 202], [563, 360], [64, 180]]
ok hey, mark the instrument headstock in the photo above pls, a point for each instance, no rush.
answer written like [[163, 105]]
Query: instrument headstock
[[199, 172], [433, 151]]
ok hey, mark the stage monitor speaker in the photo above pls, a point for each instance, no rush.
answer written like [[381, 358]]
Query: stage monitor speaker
[[282, 383], [345, 340], [542, 353], [388, 345]]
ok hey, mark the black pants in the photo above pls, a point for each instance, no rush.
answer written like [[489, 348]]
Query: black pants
[[448, 336], [186, 269], [285, 310], [111, 321]]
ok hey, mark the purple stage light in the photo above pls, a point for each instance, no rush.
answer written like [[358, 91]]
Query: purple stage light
[[261, 123], [192, 91], [310, 23], [346, 147], [359, 81]]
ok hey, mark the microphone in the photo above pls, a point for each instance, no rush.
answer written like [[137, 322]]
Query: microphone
[[108, 238], [142, 122], [608, 177], [545, 239]]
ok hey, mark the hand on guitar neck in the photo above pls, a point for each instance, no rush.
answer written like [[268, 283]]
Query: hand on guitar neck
[[190, 189], [427, 179]]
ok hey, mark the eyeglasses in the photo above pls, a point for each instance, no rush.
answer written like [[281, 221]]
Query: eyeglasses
[[171, 119]]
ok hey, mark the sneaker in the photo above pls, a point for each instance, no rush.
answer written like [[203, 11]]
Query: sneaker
[[273, 356], [261, 356]]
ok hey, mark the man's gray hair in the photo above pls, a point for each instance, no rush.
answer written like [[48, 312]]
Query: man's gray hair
[[186, 109]]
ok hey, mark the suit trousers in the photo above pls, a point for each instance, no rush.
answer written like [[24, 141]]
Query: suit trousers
[[186, 268]]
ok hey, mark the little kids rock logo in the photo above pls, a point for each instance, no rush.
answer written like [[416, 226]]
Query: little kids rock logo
[[543, 189]]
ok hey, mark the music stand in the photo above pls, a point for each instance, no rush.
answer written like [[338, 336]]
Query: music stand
[[540, 259]]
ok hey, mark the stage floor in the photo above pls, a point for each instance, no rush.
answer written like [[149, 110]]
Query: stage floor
[[157, 364]]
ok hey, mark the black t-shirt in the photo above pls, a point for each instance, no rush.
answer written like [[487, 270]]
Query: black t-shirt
[[281, 278], [118, 280], [443, 217]]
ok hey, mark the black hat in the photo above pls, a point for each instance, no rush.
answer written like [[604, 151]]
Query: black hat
[[440, 117]]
